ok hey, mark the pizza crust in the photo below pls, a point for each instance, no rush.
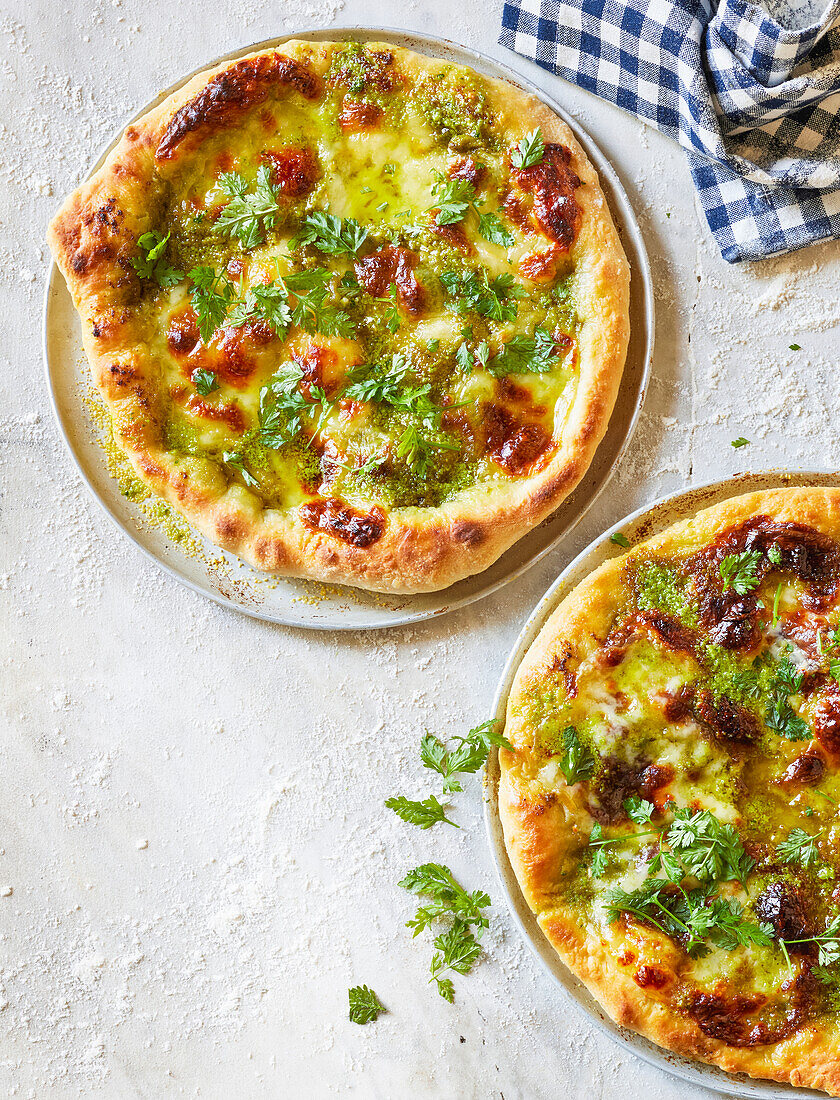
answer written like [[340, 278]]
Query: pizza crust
[[540, 827], [423, 549]]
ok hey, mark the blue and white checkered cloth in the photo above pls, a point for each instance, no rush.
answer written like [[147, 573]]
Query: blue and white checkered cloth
[[752, 97]]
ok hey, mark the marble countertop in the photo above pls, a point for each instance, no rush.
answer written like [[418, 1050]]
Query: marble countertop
[[195, 862]]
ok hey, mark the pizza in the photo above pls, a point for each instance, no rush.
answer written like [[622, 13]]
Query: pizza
[[671, 803], [356, 313]]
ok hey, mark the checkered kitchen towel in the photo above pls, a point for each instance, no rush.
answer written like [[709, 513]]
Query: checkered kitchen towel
[[752, 97]]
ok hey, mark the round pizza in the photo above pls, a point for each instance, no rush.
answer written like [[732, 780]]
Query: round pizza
[[356, 313], [671, 803]]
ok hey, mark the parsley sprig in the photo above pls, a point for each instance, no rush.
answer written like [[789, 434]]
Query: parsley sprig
[[454, 198], [458, 948], [576, 762], [800, 848], [533, 354], [150, 263], [738, 571], [529, 151], [249, 214], [467, 756], [330, 234], [211, 295], [364, 1005], [475, 292]]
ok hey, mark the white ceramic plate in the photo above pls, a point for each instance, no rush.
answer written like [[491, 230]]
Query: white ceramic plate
[[223, 577], [638, 526]]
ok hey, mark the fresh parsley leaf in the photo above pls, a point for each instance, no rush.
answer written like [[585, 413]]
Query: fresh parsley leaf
[[150, 263], [799, 847], [211, 295], [236, 460], [784, 720], [795, 347], [425, 814], [330, 234], [739, 442], [523, 354], [364, 1005], [248, 216], [739, 571], [475, 292], [598, 862], [453, 198], [469, 753], [774, 554], [436, 881], [529, 151], [311, 311], [464, 358], [267, 303], [576, 762], [205, 381], [492, 229], [458, 950], [788, 678], [620, 540], [638, 809], [709, 850]]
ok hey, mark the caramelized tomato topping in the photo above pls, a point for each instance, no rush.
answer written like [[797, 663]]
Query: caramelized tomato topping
[[514, 445], [356, 116], [392, 264], [182, 336], [294, 170], [224, 99], [540, 266], [650, 977], [827, 720], [807, 769], [229, 414], [452, 234], [552, 183], [360, 529], [465, 168]]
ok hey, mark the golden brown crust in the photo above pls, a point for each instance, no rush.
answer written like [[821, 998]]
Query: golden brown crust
[[541, 825], [421, 549]]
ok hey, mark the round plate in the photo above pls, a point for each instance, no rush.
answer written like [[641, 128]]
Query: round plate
[[640, 525], [223, 577]]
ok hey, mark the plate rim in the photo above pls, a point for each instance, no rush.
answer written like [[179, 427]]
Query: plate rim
[[690, 1070], [622, 206]]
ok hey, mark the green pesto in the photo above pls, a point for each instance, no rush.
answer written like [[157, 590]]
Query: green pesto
[[662, 586], [455, 107]]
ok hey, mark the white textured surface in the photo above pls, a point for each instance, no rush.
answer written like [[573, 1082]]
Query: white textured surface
[[195, 862]]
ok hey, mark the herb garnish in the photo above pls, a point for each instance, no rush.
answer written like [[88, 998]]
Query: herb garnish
[[537, 353], [211, 295], [739, 571], [150, 263], [620, 540], [457, 948], [455, 197], [248, 216], [529, 151], [330, 234], [799, 847], [576, 762], [425, 814], [739, 442], [468, 755], [205, 381], [364, 1005], [237, 460], [475, 291]]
